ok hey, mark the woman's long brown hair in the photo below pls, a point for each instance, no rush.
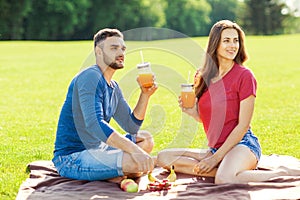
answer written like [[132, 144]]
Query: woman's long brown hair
[[211, 65]]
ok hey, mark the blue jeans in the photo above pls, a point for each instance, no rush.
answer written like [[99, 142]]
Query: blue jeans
[[249, 140], [92, 164]]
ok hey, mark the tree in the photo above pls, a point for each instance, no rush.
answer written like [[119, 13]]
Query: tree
[[12, 15], [264, 16], [55, 20], [123, 14], [223, 10], [188, 17], [152, 13]]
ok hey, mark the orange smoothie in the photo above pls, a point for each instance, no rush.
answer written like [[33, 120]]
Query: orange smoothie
[[146, 80], [188, 99]]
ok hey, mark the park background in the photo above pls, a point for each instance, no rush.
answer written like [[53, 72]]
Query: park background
[[80, 19], [45, 42]]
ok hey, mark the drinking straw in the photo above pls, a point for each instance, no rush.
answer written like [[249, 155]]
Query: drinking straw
[[188, 79], [142, 57]]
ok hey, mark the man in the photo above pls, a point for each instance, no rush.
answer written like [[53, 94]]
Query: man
[[86, 146]]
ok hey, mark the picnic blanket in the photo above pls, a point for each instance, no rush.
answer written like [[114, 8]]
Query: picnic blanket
[[44, 183]]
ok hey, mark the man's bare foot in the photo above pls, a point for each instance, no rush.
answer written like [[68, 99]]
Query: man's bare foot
[[117, 180]]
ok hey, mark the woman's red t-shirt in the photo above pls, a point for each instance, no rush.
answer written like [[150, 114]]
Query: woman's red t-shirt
[[219, 106]]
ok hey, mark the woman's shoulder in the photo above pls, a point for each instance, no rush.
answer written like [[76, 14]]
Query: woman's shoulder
[[241, 69]]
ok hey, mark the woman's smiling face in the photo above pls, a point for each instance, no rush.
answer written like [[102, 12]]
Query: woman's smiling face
[[229, 44]]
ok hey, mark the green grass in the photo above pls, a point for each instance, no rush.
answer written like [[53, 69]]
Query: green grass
[[34, 77]]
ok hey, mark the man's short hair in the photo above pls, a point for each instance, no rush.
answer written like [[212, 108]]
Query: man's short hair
[[105, 33]]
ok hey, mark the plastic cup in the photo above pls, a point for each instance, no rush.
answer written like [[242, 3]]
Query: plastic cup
[[145, 74], [187, 95]]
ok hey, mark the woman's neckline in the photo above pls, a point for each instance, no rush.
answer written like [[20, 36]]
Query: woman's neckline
[[217, 79]]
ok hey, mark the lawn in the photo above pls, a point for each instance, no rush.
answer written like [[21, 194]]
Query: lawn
[[34, 77]]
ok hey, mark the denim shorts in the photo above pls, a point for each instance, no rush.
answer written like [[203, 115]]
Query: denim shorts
[[92, 164], [250, 141]]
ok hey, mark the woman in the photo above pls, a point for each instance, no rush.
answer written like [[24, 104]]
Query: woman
[[226, 92]]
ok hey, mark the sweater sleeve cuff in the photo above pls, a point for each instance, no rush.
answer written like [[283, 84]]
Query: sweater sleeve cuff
[[136, 121]]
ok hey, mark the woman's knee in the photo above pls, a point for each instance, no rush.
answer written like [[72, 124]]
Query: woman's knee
[[236, 161], [165, 158], [160, 159]]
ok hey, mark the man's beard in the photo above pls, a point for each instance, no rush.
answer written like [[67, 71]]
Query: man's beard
[[115, 65], [111, 64]]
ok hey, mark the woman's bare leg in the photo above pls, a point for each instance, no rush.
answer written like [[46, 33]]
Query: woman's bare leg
[[183, 160], [238, 167]]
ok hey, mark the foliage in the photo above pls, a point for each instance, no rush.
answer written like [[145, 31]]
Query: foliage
[[186, 16], [12, 15], [264, 17], [52, 20], [80, 19], [292, 25], [124, 14], [223, 10]]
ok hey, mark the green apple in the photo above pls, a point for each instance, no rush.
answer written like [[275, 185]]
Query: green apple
[[132, 187]]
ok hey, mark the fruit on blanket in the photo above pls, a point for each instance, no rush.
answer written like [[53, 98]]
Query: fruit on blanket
[[172, 176], [151, 178], [128, 185], [132, 187], [124, 182], [159, 185]]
